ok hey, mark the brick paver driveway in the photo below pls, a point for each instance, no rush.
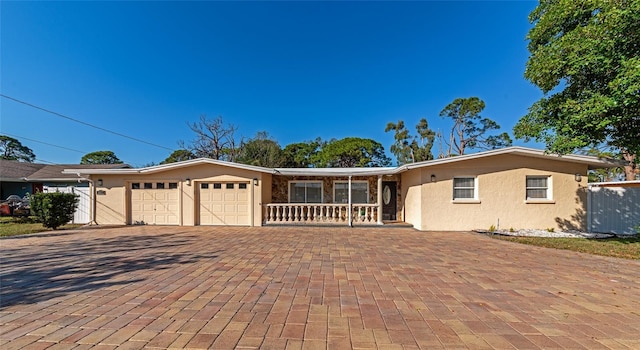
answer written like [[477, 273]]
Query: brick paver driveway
[[325, 288]]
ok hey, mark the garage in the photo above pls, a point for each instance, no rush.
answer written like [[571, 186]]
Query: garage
[[155, 203], [224, 203]]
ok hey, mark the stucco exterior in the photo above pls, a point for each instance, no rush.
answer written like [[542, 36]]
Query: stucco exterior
[[501, 201], [424, 192], [113, 197]]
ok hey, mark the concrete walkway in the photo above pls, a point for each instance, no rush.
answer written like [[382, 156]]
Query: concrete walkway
[[309, 288]]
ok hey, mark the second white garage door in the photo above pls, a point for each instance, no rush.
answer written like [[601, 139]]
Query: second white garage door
[[224, 203]]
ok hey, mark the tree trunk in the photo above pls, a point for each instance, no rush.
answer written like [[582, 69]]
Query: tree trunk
[[630, 170]]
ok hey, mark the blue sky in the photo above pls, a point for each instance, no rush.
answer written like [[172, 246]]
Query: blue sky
[[298, 70]]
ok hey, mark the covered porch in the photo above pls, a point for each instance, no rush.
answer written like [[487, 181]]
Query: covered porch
[[326, 196]]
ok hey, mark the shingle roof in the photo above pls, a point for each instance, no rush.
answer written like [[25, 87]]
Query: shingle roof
[[22, 171]]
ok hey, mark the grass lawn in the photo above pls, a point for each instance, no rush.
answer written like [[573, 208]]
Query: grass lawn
[[626, 248], [19, 226]]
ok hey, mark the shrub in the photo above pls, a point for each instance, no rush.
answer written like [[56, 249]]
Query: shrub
[[53, 209]]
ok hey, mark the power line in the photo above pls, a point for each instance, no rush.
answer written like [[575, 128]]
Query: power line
[[83, 123], [44, 143]]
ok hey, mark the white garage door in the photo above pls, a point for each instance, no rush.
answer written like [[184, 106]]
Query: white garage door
[[155, 203], [224, 203]]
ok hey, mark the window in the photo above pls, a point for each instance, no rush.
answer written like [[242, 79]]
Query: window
[[217, 186], [173, 185], [305, 192], [229, 186], [160, 185], [464, 188], [135, 186], [204, 186], [359, 192], [148, 185], [538, 187], [242, 186]]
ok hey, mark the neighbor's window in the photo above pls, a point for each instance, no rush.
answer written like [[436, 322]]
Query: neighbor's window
[[538, 187], [359, 192], [464, 188], [305, 192]]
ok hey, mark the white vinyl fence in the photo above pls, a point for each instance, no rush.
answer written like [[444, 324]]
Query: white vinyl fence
[[614, 207], [82, 214]]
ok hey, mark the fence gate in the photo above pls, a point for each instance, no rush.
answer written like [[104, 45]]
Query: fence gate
[[614, 207], [82, 214]]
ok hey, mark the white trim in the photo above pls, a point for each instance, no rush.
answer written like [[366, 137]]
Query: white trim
[[592, 162], [548, 198], [475, 189]]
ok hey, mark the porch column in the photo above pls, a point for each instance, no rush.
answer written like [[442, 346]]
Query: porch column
[[349, 206], [379, 199]]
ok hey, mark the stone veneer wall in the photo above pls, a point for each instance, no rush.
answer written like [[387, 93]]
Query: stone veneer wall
[[280, 188]]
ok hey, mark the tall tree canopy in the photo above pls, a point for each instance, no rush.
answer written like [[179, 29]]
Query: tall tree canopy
[[100, 157], [12, 149], [262, 150], [585, 57], [302, 154], [410, 149], [352, 152], [470, 129], [179, 156], [214, 139]]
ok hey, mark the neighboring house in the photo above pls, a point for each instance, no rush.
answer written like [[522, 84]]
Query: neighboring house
[[22, 178], [512, 187]]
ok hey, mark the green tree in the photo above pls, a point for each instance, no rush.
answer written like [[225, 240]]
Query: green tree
[[302, 154], [100, 157], [352, 152], [470, 128], [410, 149], [585, 57], [53, 209], [179, 156], [262, 150], [12, 149]]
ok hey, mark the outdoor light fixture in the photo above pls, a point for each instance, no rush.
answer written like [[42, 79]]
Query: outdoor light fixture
[[578, 177], [99, 182], [255, 182], [188, 182], [433, 177]]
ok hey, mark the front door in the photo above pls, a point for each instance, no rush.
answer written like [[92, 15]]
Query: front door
[[389, 200]]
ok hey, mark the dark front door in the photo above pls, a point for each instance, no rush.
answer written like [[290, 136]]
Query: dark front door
[[389, 200]]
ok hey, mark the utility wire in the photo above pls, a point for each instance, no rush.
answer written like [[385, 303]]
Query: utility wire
[[83, 123], [44, 143]]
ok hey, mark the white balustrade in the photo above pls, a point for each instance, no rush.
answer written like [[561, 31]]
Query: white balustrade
[[326, 213]]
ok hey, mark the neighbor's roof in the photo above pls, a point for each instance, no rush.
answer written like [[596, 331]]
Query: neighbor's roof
[[15, 171], [592, 162]]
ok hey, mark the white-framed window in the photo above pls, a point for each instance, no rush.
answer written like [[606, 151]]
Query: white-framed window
[[465, 188], [305, 191], [359, 192], [538, 188]]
